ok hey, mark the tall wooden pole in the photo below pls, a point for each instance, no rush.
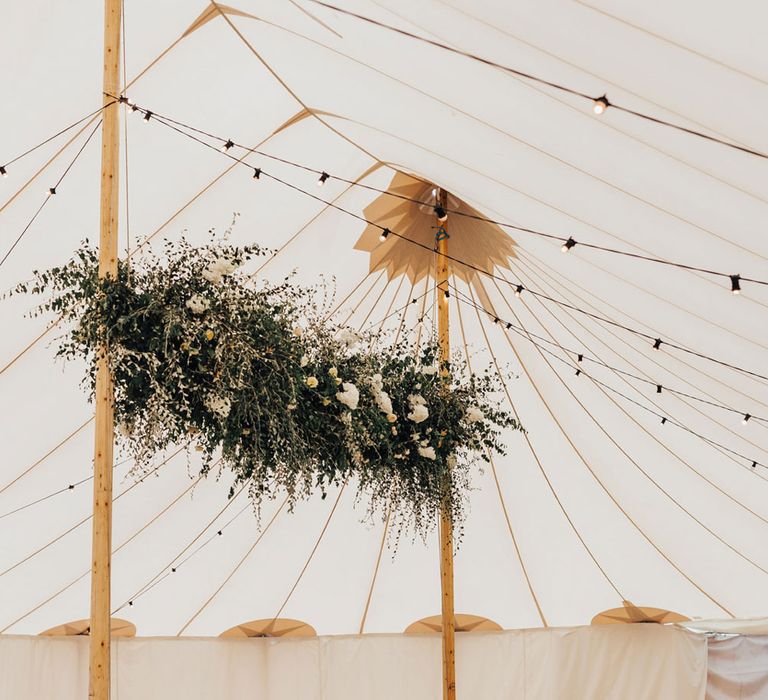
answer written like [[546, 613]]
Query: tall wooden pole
[[446, 521], [99, 679]]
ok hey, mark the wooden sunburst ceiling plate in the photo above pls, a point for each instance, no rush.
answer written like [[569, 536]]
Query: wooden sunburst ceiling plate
[[629, 614], [119, 628], [277, 627], [464, 623], [482, 245]]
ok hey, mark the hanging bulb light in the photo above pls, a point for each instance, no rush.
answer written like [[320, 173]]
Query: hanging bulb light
[[578, 372], [519, 290], [323, 177], [441, 214], [496, 319], [657, 343], [568, 245], [51, 191], [736, 284], [446, 294], [663, 420], [745, 419], [147, 116], [384, 235], [134, 107], [229, 144], [754, 464], [3, 171], [600, 104], [509, 326], [256, 173], [658, 388], [580, 357]]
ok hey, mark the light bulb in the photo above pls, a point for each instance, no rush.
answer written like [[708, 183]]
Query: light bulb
[[600, 104], [441, 214], [323, 177], [256, 173], [229, 144], [735, 284], [568, 245], [745, 419], [147, 116], [446, 294], [657, 343], [518, 290], [51, 191], [384, 235], [3, 171]]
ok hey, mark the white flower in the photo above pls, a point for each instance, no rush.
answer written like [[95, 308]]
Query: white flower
[[419, 411], [350, 396], [474, 414], [451, 461], [218, 268], [297, 331], [346, 418], [291, 406], [377, 384], [384, 402], [311, 382], [391, 417], [415, 437], [431, 369], [394, 430], [219, 405], [428, 452], [333, 372], [304, 361], [198, 304], [348, 337]]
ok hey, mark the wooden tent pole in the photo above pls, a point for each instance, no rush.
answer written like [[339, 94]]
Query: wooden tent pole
[[446, 521], [99, 678]]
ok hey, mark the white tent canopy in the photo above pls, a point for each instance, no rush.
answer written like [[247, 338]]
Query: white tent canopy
[[599, 502]]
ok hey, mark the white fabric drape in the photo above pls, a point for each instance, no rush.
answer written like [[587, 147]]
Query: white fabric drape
[[738, 668], [627, 662]]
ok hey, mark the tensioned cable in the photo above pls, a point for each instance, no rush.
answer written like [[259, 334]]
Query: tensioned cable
[[235, 570], [637, 465], [4, 167], [51, 192], [375, 574], [568, 240], [539, 265], [542, 81], [665, 419], [537, 459], [625, 381], [88, 517], [657, 341], [664, 446], [554, 285], [599, 481], [74, 581], [502, 501]]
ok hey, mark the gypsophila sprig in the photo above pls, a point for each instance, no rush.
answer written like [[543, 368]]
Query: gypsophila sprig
[[250, 374]]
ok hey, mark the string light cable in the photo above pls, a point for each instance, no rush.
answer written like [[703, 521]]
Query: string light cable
[[568, 242], [519, 288], [581, 357], [50, 193], [531, 338], [600, 104], [61, 132]]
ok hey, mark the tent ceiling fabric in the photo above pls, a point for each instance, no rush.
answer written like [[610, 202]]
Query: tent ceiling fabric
[[598, 502]]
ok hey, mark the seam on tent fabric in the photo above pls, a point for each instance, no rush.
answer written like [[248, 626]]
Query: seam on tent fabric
[[605, 489], [502, 502]]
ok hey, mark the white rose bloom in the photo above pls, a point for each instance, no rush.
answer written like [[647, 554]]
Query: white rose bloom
[[474, 414], [377, 384], [304, 361], [429, 370], [416, 400], [428, 452], [198, 304], [451, 461], [418, 414], [212, 274], [350, 396], [348, 337], [333, 372], [391, 417], [219, 405], [346, 418], [311, 382], [384, 402]]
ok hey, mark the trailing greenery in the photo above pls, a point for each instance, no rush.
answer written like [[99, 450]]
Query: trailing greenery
[[251, 375]]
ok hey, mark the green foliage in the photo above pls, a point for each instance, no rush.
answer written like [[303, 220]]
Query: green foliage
[[251, 375]]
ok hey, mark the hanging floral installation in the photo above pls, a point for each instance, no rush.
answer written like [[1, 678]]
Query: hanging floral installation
[[254, 378]]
